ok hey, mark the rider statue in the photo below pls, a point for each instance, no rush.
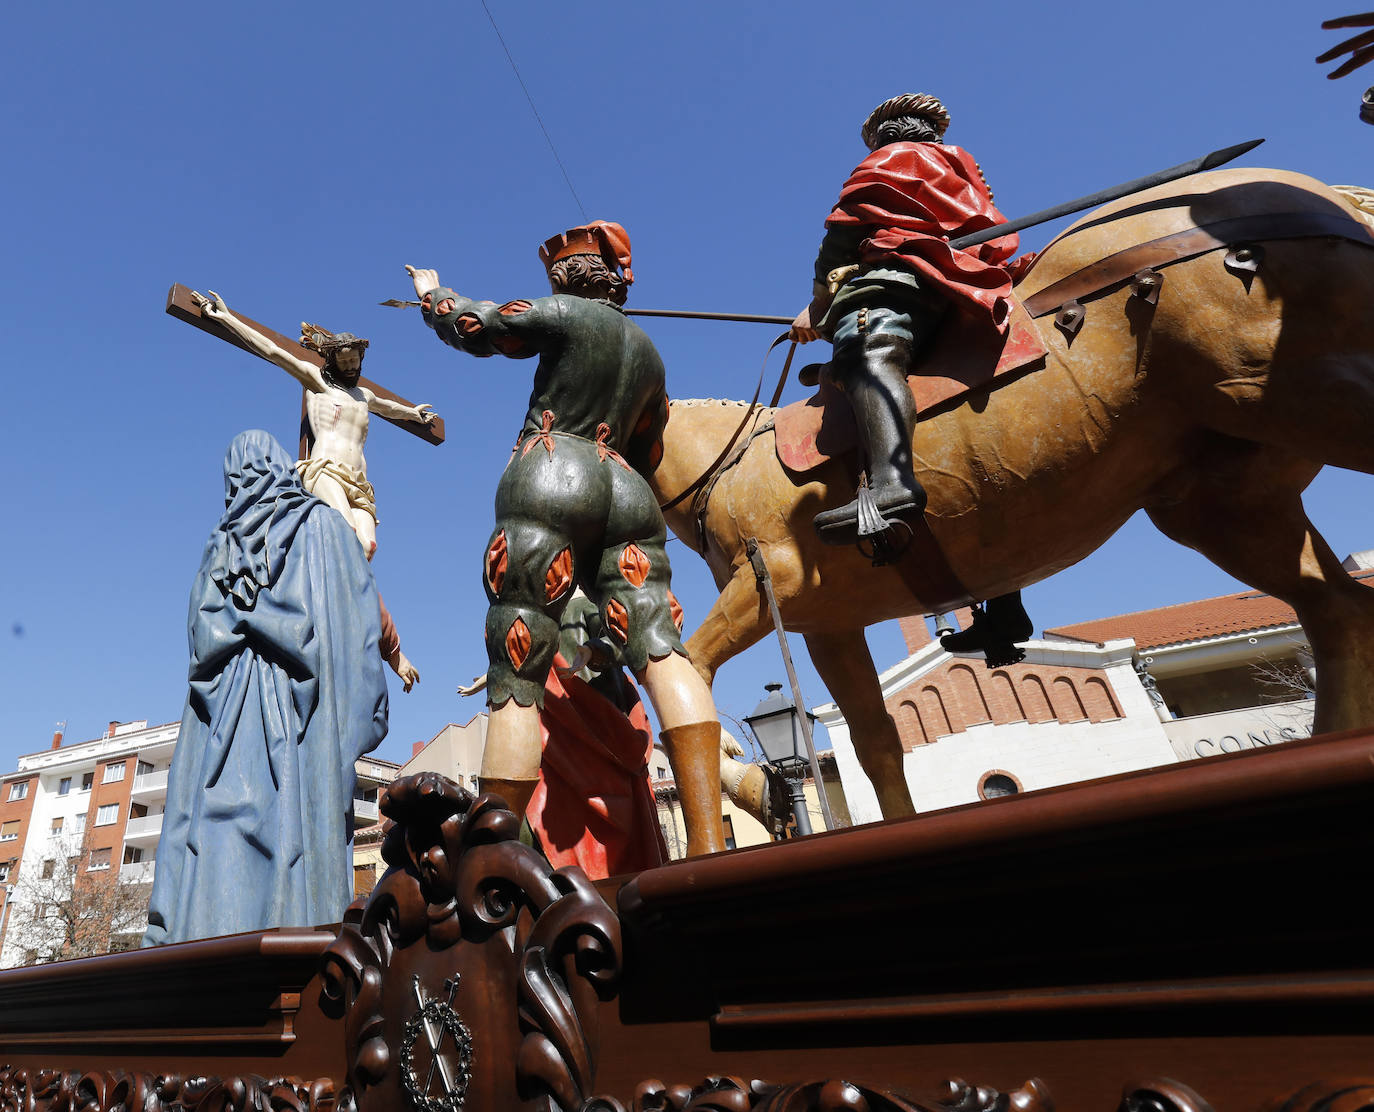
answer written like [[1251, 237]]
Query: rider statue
[[573, 509], [885, 277]]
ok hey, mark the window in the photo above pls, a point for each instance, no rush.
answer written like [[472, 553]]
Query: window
[[87, 779], [19, 791], [49, 867], [4, 872], [113, 773], [100, 859], [143, 769], [133, 855], [729, 823], [998, 783], [57, 825], [64, 785], [79, 823], [107, 814], [9, 830]]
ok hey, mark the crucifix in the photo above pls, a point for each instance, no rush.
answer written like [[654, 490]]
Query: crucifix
[[335, 406]]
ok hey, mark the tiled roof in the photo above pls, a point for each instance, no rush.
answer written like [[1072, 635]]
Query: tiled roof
[[1245, 612]]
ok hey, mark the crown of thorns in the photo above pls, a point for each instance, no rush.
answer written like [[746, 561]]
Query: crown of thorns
[[318, 338], [923, 105]]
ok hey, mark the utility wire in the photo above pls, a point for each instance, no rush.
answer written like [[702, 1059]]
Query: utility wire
[[539, 119]]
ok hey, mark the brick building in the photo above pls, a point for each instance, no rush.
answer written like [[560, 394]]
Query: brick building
[[95, 808]]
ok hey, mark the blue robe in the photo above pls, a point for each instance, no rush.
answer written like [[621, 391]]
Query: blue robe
[[286, 693]]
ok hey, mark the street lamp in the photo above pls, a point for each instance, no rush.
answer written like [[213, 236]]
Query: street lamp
[[778, 727]]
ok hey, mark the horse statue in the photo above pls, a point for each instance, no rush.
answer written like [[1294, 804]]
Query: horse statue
[[1210, 347]]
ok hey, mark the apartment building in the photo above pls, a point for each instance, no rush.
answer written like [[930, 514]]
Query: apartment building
[[92, 811]]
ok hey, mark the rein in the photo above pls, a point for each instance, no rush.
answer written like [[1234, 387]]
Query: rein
[[748, 413]]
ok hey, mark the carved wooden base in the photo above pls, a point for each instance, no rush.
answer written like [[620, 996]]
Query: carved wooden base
[[1197, 927]]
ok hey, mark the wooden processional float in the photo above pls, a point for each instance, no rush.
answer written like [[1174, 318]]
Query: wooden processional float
[[1179, 939]]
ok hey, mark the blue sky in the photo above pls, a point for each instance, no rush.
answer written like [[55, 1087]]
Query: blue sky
[[294, 156]]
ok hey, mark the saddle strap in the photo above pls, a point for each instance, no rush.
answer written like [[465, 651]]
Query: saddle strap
[[1115, 270], [748, 414]]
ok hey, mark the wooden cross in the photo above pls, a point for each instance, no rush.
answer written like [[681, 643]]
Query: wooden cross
[[181, 306]]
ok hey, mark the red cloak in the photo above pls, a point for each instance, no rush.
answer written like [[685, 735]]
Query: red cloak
[[913, 198], [593, 806]]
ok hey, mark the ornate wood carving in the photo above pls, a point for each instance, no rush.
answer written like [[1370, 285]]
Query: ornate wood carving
[[473, 971], [731, 1094], [39, 1090], [1329, 1096], [1161, 1095]]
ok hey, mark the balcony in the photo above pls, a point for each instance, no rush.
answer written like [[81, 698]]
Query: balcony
[[150, 785], [139, 872], [145, 829], [365, 812]]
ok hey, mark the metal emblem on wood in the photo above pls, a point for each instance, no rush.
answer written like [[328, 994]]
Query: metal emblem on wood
[[438, 1022]]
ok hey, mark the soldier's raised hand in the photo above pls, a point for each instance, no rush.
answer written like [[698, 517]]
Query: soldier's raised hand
[[426, 281]]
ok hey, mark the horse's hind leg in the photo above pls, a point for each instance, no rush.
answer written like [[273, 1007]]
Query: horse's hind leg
[[846, 666], [1243, 510], [738, 619]]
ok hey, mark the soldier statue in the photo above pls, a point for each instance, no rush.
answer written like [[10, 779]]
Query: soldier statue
[[573, 509], [884, 279]]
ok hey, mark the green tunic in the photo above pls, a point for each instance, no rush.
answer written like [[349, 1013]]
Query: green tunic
[[573, 507]]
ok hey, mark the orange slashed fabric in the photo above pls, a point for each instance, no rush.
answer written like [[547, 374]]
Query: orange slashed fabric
[[634, 565], [518, 642], [618, 620], [497, 555], [559, 576]]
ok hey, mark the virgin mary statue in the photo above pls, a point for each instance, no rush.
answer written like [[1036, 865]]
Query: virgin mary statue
[[286, 693]]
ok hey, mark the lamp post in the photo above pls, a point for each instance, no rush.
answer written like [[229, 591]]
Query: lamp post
[[778, 726]]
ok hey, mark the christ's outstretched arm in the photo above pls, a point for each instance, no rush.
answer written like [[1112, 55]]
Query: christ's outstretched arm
[[307, 374]]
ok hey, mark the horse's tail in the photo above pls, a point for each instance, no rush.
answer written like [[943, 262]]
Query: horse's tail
[[1360, 199]]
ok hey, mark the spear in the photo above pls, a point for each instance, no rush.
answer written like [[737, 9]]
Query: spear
[[1102, 196], [1044, 216]]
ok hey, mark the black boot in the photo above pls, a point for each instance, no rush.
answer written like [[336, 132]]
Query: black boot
[[997, 625], [886, 416]]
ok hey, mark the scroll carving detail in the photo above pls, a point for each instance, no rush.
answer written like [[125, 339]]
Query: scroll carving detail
[[1325, 1096], [732, 1094], [1161, 1095], [39, 1090], [460, 879]]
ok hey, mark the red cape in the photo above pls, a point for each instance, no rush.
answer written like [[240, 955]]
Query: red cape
[[915, 197], [593, 806]]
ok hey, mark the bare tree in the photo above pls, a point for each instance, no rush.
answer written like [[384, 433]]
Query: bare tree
[[72, 904], [1282, 681]]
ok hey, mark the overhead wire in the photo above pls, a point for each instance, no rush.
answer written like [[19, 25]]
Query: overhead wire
[[538, 119]]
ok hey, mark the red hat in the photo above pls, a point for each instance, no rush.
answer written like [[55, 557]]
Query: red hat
[[600, 237]]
